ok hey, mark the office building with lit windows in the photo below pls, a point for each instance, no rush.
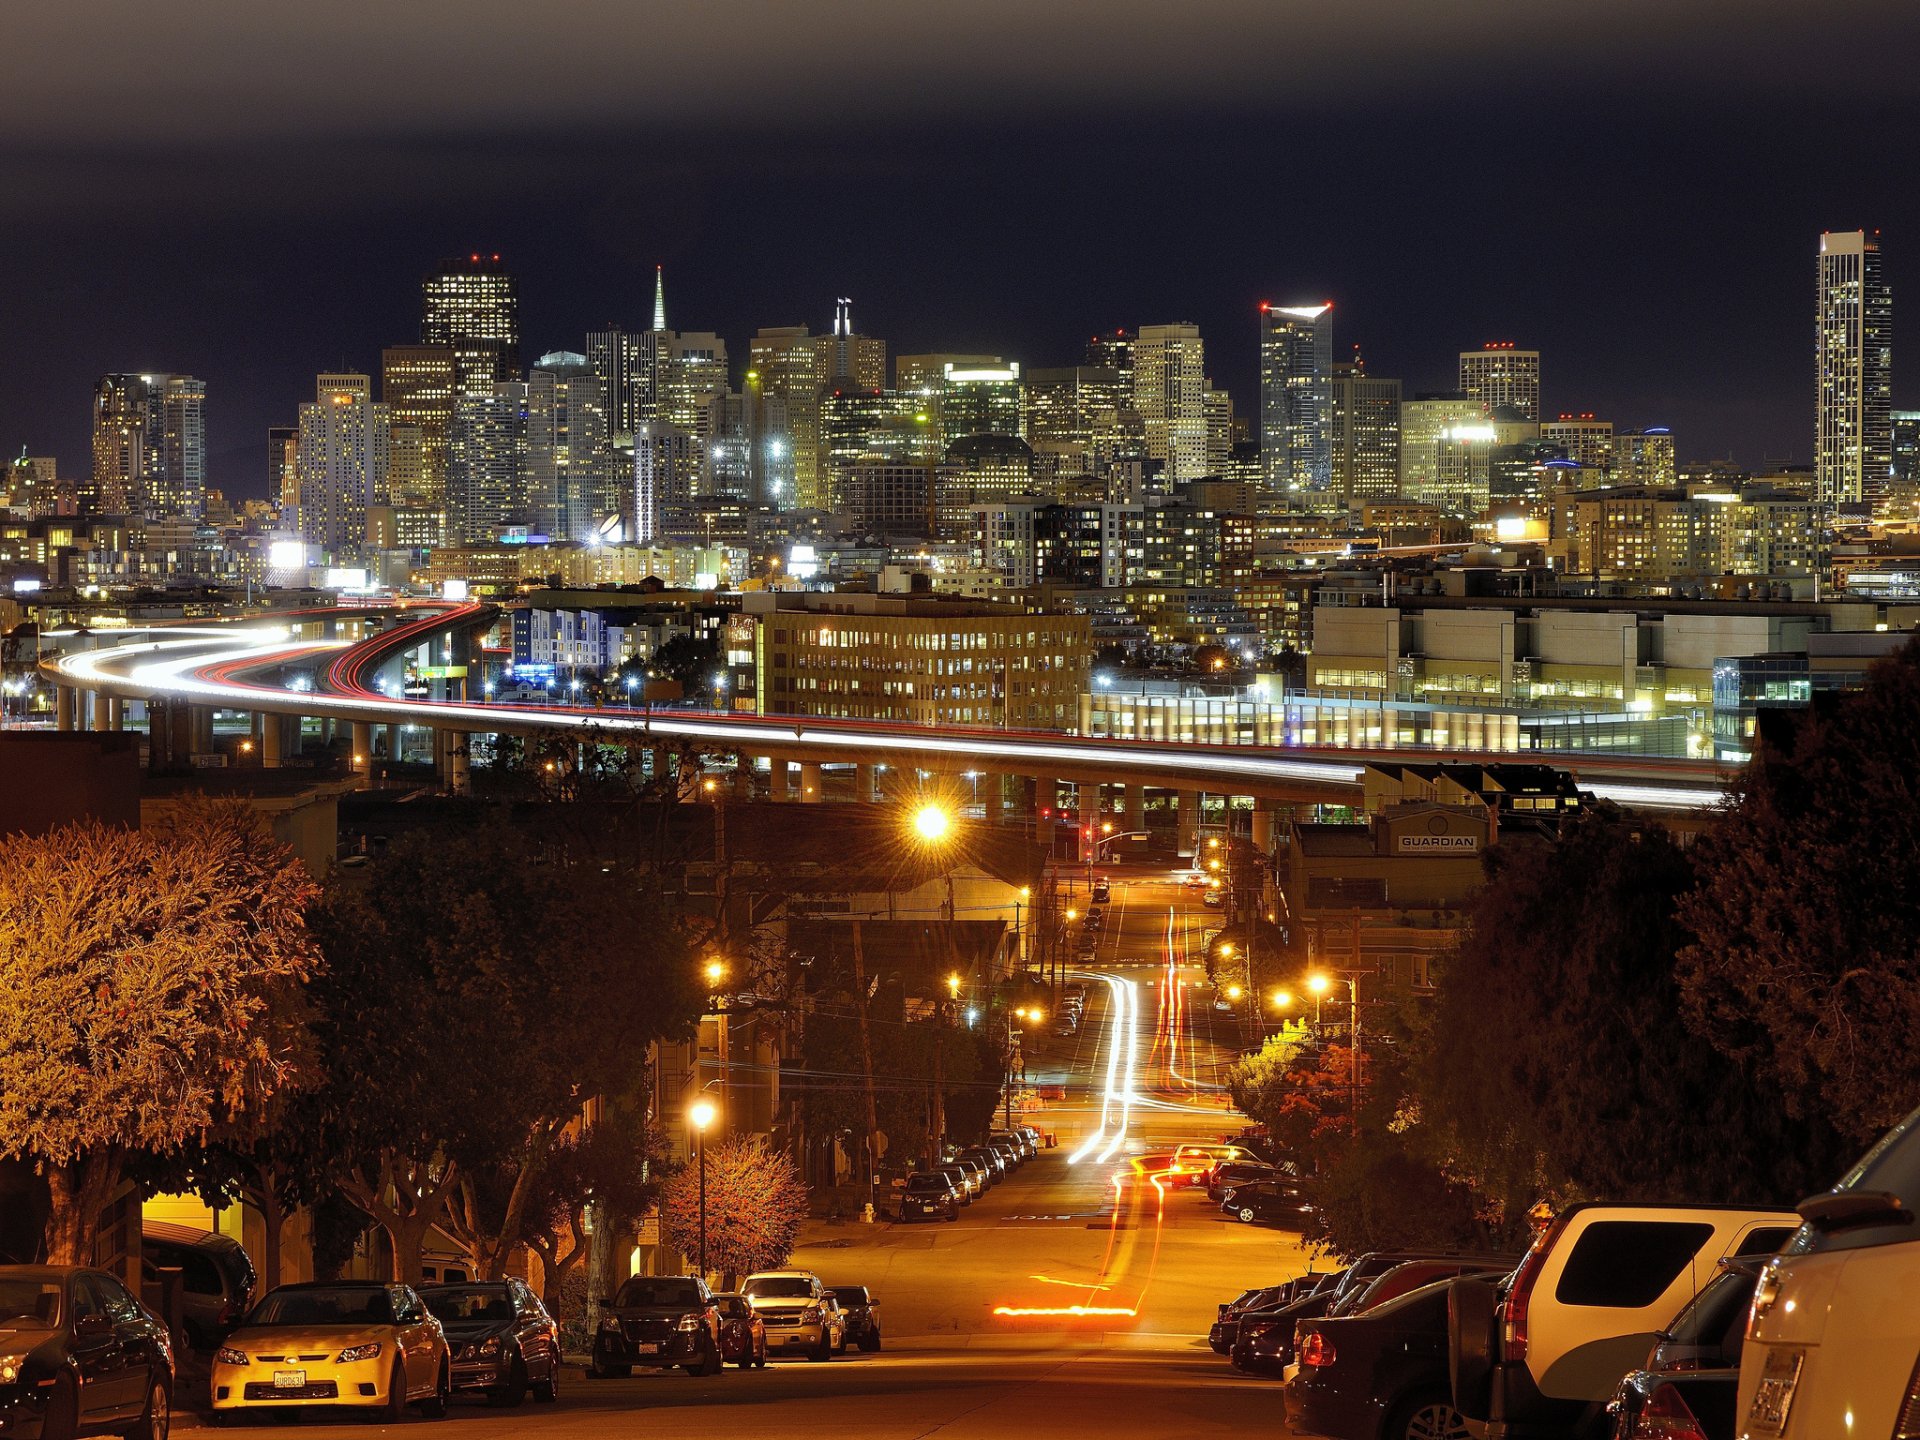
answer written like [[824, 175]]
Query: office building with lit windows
[[1363, 438], [1587, 441], [1296, 373], [1169, 381], [1502, 377], [470, 304], [487, 472], [341, 463], [1645, 457], [918, 659], [1853, 435], [149, 446]]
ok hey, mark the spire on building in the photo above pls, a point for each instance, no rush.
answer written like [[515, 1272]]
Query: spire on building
[[659, 298], [843, 316]]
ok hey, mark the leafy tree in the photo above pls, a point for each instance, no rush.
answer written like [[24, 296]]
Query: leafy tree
[[141, 970], [480, 989], [755, 1206], [1558, 1062], [609, 1165], [1804, 959]]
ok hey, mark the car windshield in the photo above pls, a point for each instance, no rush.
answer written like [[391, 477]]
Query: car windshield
[[935, 1183], [778, 1287], [470, 1304], [850, 1295], [325, 1305], [33, 1303], [657, 1290]]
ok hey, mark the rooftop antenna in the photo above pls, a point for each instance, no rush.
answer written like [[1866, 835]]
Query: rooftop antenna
[[659, 298], [843, 316]]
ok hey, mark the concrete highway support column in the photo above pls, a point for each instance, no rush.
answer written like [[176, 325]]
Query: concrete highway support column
[[812, 782], [1132, 812], [200, 734], [1262, 828], [102, 711], [1045, 791], [66, 707], [272, 730], [784, 781], [1187, 822], [459, 775], [993, 796], [1088, 797], [863, 784], [394, 743], [362, 758]]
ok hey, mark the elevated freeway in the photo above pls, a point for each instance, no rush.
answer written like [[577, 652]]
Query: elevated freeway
[[270, 669]]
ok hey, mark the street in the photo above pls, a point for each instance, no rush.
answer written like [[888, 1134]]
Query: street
[[1076, 1295]]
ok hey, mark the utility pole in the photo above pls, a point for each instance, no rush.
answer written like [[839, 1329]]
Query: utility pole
[[866, 1051]]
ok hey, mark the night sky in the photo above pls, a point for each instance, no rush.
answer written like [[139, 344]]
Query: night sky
[[249, 191]]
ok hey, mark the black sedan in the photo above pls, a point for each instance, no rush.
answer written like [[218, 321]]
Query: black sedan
[[500, 1339], [79, 1355], [658, 1321], [863, 1326], [1283, 1203], [930, 1195], [1380, 1374]]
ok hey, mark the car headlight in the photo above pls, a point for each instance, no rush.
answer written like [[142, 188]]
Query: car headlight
[[812, 1314], [10, 1368], [358, 1352], [227, 1355], [489, 1346], [690, 1321]]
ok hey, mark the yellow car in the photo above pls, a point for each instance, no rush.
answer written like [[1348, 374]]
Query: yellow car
[[350, 1344]]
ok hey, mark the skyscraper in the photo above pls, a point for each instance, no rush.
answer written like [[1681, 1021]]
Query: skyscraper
[[149, 447], [1296, 367], [1853, 436], [1363, 437], [569, 463], [666, 473], [487, 464], [1427, 423], [1645, 457], [1079, 419], [417, 387], [1587, 441], [1502, 377], [800, 368], [1169, 378], [471, 304], [341, 463]]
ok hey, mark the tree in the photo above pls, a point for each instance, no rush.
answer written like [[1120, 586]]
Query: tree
[[1804, 960], [755, 1206], [481, 987], [609, 1164], [1558, 1063], [142, 970]]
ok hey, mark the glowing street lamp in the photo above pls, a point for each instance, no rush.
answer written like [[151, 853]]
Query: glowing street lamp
[[716, 971], [1283, 999], [932, 823], [953, 987], [700, 1115], [1234, 992]]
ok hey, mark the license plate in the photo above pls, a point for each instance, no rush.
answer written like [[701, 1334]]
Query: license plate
[[1773, 1396], [289, 1379], [647, 1347]]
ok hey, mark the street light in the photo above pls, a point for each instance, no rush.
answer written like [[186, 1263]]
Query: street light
[[932, 823], [1283, 999], [701, 1114], [716, 972]]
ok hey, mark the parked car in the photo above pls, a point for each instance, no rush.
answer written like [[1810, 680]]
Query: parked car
[[1264, 1343], [1283, 1203], [1411, 1275], [81, 1356], [930, 1195], [1689, 1385], [216, 1279], [743, 1334], [962, 1181], [1227, 1174], [1543, 1355], [993, 1165], [797, 1313], [501, 1339], [657, 1322], [1834, 1330], [1227, 1319], [349, 1344], [1012, 1155], [863, 1326], [1020, 1139], [979, 1174]]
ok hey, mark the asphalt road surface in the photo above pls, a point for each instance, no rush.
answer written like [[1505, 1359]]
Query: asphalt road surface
[[1073, 1300]]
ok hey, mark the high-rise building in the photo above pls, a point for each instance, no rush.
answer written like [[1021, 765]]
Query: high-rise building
[[1296, 370], [1217, 406], [1645, 457], [1906, 451], [929, 372], [33, 486], [1169, 379], [149, 447], [977, 470], [1079, 419], [487, 464], [471, 304], [619, 358], [1425, 422], [570, 489], [1113, 351], [1500, 376], [886, 497], [666, 476], [801, 368], [749, 450], [856, 425], [341, 455], [1363, 437], [689, 370], [283, 470], [417, 387], [1587, 441], [1853, 436], [981, 400]]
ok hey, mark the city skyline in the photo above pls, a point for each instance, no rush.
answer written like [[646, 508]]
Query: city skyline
[[260, 252]]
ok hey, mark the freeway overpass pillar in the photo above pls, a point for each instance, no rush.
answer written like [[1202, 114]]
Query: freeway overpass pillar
[[782, 785], [459, 776], [1045, 792], [993, 787], [1088, 797], [1187, 822], [1262, 828], [102, 711], [812, 782], [66, 707], [1132, 812], [363, 752], [273, 739], [863, 783], [393, 743]]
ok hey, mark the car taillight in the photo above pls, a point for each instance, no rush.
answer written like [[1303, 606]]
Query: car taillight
[[1666, 1416], [1316, 1349], [1513, 1310]]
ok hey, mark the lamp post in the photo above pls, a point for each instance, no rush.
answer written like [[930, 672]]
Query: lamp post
[[701, 1115], [1319, 984]]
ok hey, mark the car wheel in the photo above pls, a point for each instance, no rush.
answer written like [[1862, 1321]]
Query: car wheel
[[1246, 1214], [434, 1407], [1427, 1416], [515, 1390], [870, 1341], [953, 1213], [157, 1420], [396, 1407], [548, 1390], [62, 1420], [600, 1370], [822, 1351]]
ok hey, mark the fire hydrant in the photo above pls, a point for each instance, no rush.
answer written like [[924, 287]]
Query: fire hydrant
[[866, 1213]]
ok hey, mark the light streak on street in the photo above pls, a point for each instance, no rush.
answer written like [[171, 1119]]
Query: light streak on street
[[1123, 1048]]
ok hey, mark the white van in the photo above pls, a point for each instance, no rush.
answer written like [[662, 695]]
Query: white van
[[1835, 1330], [1542, 1358]]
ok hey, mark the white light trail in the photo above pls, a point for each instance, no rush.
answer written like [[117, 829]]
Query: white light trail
[[1123, 1049]]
